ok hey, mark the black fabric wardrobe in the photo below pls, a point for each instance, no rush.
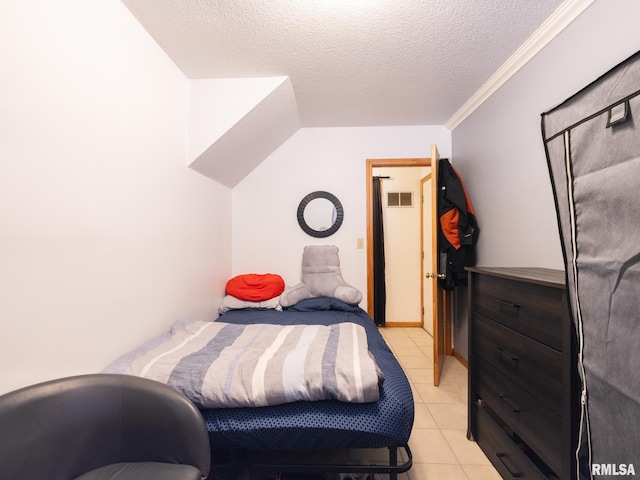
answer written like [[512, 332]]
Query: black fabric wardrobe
[[592, 142]]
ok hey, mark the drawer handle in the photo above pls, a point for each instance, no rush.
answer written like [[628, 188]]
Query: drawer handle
[[508, 403], [512, 472], [510, 357], [508, 304]]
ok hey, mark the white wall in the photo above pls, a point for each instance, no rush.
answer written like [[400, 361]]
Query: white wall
[[106, 237], [499, 152], [266, 235]]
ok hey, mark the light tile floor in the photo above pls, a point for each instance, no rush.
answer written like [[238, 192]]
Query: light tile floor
[[439, 438]]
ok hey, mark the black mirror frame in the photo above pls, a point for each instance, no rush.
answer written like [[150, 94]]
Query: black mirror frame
[[339, 214]]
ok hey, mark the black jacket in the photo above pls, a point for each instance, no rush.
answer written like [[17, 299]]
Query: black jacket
[[458, 232]]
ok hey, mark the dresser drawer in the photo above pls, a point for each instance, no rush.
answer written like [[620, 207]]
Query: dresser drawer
[[535, 423], [532, 365], [534, 310], [502, 451]]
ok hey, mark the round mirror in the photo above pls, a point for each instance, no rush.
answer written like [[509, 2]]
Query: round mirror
[[320, 214]]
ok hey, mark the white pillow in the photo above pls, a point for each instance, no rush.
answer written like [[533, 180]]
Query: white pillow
[[229, 302]]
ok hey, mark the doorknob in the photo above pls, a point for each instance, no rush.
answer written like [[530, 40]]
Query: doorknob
[[441, 276]]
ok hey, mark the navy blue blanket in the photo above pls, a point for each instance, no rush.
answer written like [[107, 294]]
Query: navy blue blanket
[[321, 424]]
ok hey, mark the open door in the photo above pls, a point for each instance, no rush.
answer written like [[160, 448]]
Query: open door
[[426, 239], [438, 293]]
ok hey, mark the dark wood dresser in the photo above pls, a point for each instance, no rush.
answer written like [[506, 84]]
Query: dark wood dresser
[[523, 399]]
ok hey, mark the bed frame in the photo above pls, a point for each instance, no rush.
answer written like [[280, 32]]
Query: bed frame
[[231, 464]]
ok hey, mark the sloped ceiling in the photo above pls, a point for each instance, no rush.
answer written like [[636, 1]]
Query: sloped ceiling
[[349, 62], [233, 150]]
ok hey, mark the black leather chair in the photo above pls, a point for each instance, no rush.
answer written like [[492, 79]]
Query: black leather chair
[[102, 426]]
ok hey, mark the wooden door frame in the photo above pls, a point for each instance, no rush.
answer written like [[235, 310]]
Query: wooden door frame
[[371, 164]]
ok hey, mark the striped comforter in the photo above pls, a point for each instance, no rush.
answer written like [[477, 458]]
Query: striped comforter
[[218, 364]]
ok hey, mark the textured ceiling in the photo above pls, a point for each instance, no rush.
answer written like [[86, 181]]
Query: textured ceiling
[[350, 62]]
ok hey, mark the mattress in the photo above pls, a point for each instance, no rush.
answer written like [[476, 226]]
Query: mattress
[[326, 423]]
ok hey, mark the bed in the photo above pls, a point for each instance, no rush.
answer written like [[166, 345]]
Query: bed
[[311, 425]]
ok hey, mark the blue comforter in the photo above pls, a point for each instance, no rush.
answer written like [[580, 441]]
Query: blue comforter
[[320, 424]]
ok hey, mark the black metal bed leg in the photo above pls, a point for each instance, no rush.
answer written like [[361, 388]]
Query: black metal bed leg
[[393, 462]]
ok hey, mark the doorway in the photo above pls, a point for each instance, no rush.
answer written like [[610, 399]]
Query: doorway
[[407, 303]]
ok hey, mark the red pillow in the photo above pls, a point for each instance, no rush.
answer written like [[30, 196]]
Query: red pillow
[[255, 287]]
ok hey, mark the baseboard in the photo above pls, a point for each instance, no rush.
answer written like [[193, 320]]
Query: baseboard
[[461, 359], [403, 324]]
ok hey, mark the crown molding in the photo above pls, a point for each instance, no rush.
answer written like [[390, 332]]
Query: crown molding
[[552, 26]]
